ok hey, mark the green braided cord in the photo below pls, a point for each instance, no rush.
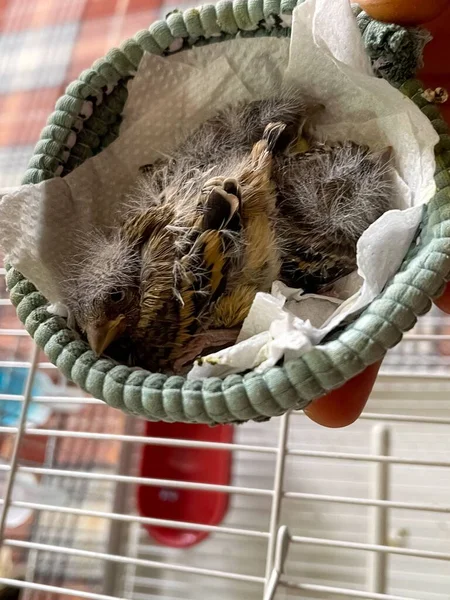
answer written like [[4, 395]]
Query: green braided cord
[[73, 134], [395, 51]]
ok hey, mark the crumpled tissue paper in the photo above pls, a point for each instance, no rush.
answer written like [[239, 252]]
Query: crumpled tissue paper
[[170, 97]]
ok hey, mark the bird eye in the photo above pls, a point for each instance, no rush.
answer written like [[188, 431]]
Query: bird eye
[[117, 295]]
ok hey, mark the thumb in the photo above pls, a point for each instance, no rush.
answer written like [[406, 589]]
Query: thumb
[[343, 406], [443, 302]]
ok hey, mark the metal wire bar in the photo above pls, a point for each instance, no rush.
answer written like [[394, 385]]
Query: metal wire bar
[[426, 375], [394, 460], [346, 592], [229, 489], [15, 332], [140, 596], [391, 417], [298, 539], [17, 364], [187, 485], [12, 468], [82, 512], [50, 400], [367, 502], [141, 439], [137, 561], [277, 493], [170, 442], [280, 554], [405, 418]]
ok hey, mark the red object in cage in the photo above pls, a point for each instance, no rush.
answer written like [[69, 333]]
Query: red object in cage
[[209, 466]]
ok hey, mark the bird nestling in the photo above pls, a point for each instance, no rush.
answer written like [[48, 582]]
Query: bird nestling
[[223, 253], [234, 209], [167, 252], [102, 295], [326, 198]]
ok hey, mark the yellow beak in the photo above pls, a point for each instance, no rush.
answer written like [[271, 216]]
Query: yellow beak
[[101, 336]]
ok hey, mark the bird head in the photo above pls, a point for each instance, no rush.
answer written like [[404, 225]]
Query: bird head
[[110, 319], [103, 294]]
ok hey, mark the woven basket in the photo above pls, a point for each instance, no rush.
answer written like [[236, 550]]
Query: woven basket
[[70, 138]]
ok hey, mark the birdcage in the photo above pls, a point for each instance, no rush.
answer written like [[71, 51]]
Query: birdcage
[[100, 505], [305, 512]]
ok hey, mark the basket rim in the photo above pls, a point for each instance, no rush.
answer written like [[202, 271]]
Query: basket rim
[[236, 398]]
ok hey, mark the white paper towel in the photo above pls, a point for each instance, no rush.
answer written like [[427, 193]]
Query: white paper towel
[[287, 323], [329, 61], [40, 225], [169, 97]]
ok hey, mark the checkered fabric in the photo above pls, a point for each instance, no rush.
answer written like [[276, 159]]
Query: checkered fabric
[[45, 44]]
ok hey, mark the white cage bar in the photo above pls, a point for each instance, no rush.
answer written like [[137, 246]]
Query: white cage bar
[[313, 513]]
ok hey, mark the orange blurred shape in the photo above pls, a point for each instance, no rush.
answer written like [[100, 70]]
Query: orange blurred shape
[[343, 406], [32, 449], [444, 301], [444, 304], [404, 12]]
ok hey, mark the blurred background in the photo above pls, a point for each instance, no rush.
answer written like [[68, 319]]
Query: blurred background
[[44, 45], [80, 462]]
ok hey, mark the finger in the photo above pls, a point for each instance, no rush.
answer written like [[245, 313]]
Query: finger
[[404, 12], [443, 302], [343, 406]]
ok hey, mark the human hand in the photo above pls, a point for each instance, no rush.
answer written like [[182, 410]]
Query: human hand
[[404, 12], [343, 406]]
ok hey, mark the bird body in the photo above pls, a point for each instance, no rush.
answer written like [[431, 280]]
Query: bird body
[[225, 253], [233, 209], [327, 197]]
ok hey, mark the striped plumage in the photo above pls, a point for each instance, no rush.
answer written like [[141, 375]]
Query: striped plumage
[[225, 251], [236, 207]]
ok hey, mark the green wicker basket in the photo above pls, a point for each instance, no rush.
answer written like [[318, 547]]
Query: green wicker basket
[[396, 53]]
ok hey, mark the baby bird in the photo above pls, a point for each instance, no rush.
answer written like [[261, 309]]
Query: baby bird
[[224, 253], [102, 295], [326, 198], [149, 285], [173, 269], [232, 210]]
